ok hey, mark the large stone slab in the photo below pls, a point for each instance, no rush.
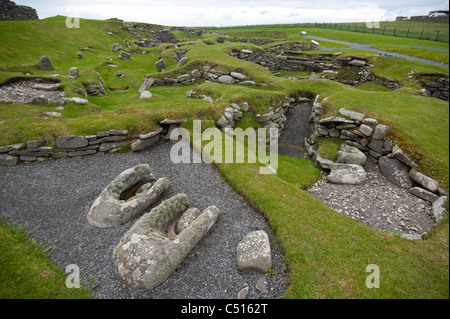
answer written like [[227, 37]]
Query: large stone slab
[[438, 209], [425, 181], [424, 194], [140, 144], [226, 79], [109, 210], [254, 253], [160, 65], [71, 142], [395, 171], [352, 114], [350, 174], [147, 254]]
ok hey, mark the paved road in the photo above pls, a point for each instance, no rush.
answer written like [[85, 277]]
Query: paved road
[[381, 52], [52, 200]]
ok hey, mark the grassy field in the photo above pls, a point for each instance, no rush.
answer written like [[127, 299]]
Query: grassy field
[[326, 252]]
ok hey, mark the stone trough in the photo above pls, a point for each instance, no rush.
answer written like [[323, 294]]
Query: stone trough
[[157, 243], [127, 196]]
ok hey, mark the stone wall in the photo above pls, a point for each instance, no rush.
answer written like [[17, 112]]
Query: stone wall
[[438, 89], [10, 11], [366, 139], [76, 145]]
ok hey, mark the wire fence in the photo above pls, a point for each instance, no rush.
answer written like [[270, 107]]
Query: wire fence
[[413, 31]]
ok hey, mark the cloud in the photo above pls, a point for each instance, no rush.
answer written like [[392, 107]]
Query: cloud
[[236, 12]]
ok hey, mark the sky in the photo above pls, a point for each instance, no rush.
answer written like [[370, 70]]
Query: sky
[[235, 12]]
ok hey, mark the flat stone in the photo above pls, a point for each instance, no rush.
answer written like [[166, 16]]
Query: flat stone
[[13, 147], [105, 147], [118, 132], [150, 134], [376, 145], [350, 174], [46, 87], [71, 142], [261, 285], [183, 77], [254, 253], [425, 181], [335, 120], [146, 84], [140, 144], [243, 293], [77, 100], [366, 130], [146, 255], [370, 121], [398, 153], [35, 143], [252, 83], [352, 114], [41, 99], [395, 171], [108, 210], [10, 160], [160, 65], [438, 209], [424, 194], [182, 61], [107, 139], [380, 131], [356, 62], [238, 76]]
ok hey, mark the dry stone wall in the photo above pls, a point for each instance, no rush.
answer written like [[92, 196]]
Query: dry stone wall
[[10, 11]]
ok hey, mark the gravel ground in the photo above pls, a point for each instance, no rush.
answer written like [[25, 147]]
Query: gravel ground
[[52, 199], [22, 91], [378, 204], [296, 128]]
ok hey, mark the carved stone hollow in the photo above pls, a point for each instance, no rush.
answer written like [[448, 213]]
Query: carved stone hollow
[[151, 250], [126, 197]]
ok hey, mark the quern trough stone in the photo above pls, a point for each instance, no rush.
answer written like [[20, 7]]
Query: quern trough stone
[[109, 210], [147, 255]]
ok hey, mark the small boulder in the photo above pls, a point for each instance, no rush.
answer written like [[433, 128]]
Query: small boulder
[[438, 209], [351, 155], [425, 181], [160, 65], [124, 55], [350, 174], [145, 95], [225, 79], [45, 63], [74, 72], [254, 253], [116, 47], [182, 61]]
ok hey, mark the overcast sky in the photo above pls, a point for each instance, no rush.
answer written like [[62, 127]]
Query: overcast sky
[[235, 12]]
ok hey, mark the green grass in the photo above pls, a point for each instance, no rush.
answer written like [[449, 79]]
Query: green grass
[[328, 148], [27, 272], [439, 56], [326, 252]]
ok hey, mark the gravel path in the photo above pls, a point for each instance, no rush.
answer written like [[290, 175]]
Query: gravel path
[[52, 199], [370, 48], [296, 128], [378, 204]]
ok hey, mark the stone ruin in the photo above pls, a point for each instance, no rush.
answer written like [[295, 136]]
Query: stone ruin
[[127, 196], [157, 243]]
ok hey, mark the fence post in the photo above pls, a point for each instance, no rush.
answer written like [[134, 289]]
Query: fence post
[[364, 30], [421, 33], [437, 35], [395, 29], [407, 32], [384, 29]]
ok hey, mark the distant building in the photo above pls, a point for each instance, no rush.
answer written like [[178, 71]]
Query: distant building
[[439, 16], [401, 18]]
